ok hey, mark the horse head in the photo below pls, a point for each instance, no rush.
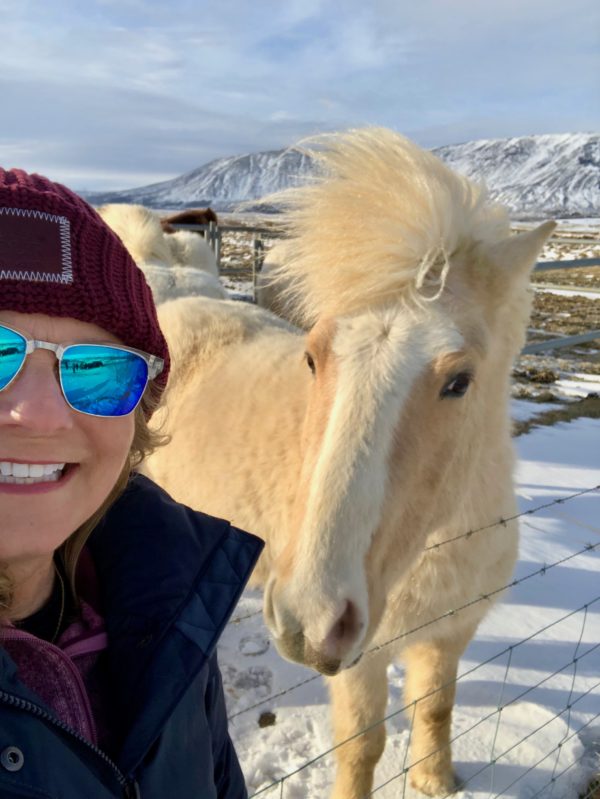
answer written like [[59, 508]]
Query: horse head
[[409, 360]]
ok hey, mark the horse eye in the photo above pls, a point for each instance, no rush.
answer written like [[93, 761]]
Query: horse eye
[[310, 361], [457, 387]]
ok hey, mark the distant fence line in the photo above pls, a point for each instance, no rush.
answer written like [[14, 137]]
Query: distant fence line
[[578, 263], [213, 233]]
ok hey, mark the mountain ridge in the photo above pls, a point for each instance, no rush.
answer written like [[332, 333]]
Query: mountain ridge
[[538, 176]]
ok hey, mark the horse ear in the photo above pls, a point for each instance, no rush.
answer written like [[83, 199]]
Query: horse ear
[[518, 254]]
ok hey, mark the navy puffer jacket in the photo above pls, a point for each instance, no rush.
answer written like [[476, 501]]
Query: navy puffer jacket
[[169, 579]]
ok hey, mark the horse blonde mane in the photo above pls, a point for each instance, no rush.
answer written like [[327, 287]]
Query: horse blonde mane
[[380, 223]]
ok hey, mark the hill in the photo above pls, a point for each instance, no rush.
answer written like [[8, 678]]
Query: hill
[[553, 175]]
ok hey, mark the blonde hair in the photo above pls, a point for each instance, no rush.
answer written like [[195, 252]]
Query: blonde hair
[[145, 441]]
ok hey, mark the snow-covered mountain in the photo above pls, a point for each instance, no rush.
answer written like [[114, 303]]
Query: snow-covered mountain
[[222, 184], [554, 175], [539, 176]]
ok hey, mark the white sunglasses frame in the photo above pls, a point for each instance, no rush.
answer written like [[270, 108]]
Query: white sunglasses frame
[[154, 363]]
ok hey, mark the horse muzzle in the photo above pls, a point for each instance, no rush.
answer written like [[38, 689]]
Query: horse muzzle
[[337, 648], [296, 648]]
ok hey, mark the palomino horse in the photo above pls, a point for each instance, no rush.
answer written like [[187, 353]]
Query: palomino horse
[[357, 449], [178, 264]]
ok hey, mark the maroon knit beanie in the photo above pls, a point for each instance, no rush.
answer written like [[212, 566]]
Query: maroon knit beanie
[[58, 257]]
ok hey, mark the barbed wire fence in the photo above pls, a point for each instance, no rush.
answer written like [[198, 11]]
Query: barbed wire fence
[[581, 654]]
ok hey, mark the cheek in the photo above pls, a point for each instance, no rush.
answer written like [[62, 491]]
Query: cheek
[[109, 446], [109, 443], [41, 523], [425, 445]]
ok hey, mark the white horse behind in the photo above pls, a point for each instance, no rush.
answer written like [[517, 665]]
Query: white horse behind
[[176, 264], [363, 451]]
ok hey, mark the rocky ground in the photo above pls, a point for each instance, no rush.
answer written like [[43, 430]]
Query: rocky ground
[[566, 377]]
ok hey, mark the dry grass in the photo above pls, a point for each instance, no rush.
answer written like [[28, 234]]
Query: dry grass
[[589, 406]]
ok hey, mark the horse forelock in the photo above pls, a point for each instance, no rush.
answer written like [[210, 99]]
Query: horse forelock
[[380, 224]]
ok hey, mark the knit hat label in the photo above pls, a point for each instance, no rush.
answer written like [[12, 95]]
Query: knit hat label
[[35, 246]]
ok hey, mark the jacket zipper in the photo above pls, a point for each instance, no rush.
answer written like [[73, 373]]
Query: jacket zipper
[[130, 787], [66, 660]]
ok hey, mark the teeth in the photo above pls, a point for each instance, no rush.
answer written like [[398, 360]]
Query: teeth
[[29, 480], [24, 473], [49, 468]]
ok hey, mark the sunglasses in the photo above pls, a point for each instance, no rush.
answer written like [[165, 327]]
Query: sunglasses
[[96, 379]]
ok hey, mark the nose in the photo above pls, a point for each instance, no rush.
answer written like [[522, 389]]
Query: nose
[[34, 401], [344, 632], [309, 638]]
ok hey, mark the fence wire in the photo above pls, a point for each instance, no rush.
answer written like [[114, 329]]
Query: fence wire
[[501, 523], [239, 619], [478, 723], [502, 704], [557, 747]]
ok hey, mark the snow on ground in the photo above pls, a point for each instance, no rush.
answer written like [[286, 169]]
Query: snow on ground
[[578, 384], [591, 294], [524, 410], [239, 289], [586, 226], [557, 610], [575, 225]]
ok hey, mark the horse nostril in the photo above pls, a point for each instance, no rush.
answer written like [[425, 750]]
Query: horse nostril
[[344, 632]]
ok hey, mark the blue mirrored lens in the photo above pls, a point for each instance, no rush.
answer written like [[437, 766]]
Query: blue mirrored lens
[[12, 354], [102, 380]]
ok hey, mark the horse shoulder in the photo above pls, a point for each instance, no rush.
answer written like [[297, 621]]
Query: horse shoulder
[[459, 564]]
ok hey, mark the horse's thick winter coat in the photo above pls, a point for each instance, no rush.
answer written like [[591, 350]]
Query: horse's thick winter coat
[[362, 451]]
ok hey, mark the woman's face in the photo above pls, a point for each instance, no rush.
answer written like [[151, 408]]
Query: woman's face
[[38, 427]]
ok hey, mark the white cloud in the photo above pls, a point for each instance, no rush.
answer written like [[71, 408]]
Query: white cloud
[[141, 88]]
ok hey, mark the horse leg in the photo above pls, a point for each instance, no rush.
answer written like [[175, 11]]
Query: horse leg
[[359, 698], [430, 683]]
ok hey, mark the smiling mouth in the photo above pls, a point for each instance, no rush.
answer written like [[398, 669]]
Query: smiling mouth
[[32, 473]]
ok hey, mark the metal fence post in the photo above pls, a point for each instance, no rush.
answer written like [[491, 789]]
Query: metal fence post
[[210, 235], [257, 263], [218, 246]]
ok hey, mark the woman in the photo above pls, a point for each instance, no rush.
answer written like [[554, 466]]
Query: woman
[[112, 595]]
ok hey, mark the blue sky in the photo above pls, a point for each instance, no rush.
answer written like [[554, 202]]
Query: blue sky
[[109, 94]]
